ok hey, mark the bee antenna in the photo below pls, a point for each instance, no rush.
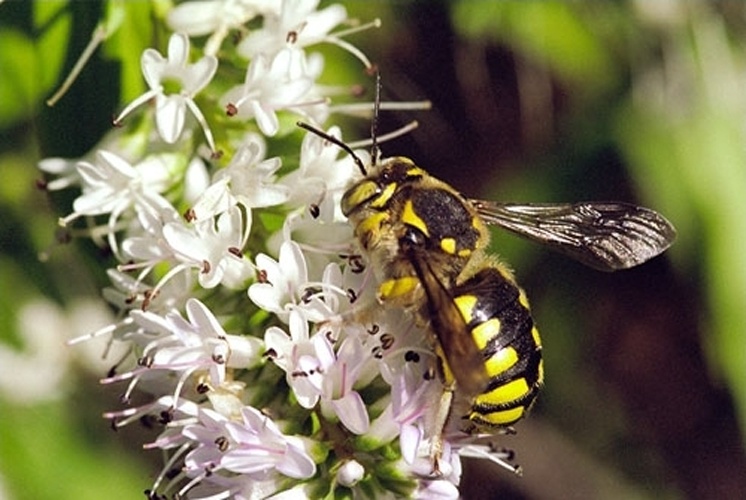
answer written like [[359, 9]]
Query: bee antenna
[[344, 147], [374, 122]]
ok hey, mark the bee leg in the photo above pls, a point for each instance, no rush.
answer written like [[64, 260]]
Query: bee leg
[[438, 426], [398, 290]]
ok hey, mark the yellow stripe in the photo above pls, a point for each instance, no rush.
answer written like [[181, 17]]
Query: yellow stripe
[[485, 332], [501, 361], [504, 394], [523, 299], [409, 216], [535, 335], [465, 304], [499, 418]]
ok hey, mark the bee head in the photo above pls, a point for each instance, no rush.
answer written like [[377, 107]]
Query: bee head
[[379, 186]]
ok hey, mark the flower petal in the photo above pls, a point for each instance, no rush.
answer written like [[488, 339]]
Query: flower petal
[[178, 49], [352, 412], [152, 65], [296, 463], [170, 112]]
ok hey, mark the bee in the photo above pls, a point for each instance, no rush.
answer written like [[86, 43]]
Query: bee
[[427, 245]]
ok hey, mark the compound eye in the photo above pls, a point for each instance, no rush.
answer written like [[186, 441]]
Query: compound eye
[[412, 238], [387, 176]]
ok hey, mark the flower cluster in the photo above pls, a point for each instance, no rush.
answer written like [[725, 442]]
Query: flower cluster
[[249, 315]]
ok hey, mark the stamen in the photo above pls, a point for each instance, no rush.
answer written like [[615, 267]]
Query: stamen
[[134, 104], [365, 108], [99, 35], [203, 123], [169, 465], [375, 23], [481, 451], [351, 49]]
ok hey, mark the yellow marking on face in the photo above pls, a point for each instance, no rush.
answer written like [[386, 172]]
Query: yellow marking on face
[[448, 245], [397, 287], [410, 217], [384, 197], [370, 226], [465, 252], [485, 332], [499, 418], [505, 393], [358, 195], [501, 361], [465, 305]]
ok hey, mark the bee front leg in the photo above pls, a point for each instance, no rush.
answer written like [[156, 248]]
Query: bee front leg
[[440, 420]]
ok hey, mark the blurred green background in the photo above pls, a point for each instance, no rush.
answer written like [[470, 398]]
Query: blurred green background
[[640, 101]]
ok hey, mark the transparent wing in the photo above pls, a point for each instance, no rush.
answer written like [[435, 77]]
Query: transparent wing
[[464, 359], [604, 235]]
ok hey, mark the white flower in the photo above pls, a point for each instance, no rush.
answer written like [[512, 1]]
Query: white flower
[[287, 351], [187, 346], [248, 179], [129, 292], [297, 23], [340, 375], [173, 83], [65, 169], [214, 247], [322, 177], [281, 281], [112, 186], [147, 247], [316, 372], [260, 447], [216, 18], [272, 84]]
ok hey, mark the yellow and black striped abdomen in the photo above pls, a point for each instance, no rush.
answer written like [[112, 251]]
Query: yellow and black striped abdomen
[[497, 315]]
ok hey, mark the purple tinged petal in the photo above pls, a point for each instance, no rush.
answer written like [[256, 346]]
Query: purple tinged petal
[[249, 461], [352, 412], [296, 463], [409, 441]]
